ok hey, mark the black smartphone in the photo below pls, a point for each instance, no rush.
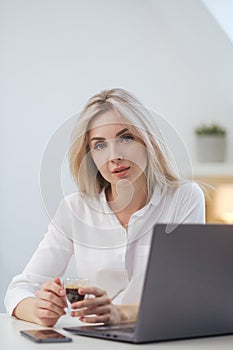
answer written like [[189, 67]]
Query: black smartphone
[[45, 336]]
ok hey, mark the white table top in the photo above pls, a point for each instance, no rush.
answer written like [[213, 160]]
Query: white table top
[[12, 339]]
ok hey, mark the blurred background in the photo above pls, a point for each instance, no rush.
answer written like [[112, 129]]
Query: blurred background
[[175, 55]]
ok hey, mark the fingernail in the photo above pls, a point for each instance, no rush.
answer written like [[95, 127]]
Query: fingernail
[[81, 290], [62, 292]]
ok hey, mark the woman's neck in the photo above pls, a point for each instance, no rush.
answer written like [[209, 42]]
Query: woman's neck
[[126, 198]]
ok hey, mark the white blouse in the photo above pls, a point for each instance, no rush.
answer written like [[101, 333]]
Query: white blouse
[[110, 256]]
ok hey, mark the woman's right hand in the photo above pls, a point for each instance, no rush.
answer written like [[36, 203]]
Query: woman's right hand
[[50, 302]]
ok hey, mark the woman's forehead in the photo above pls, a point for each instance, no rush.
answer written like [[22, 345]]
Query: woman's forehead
[[110, 118], [107, 125]]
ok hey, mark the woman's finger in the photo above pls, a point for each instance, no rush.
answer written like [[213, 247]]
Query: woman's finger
[[92, 311], [51, 297], [98, 309], [53, 286], [92, 302], [47, 314], [48, 305], [97, 319], [97, 292]]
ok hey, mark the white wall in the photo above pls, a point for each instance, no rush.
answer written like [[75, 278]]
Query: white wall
[[56, 54], [222, 10]]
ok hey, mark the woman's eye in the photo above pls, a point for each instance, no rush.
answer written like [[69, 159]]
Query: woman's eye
[[127, 138], [100, 146]]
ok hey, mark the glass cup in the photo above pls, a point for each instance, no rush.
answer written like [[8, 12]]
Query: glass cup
[[72, 286]]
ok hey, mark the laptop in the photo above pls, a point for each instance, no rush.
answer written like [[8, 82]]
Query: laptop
[[188, 287]]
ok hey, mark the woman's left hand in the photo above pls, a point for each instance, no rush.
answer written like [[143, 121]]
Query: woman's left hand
[[97, 309]]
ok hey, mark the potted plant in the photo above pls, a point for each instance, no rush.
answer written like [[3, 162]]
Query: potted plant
[[211, 143]]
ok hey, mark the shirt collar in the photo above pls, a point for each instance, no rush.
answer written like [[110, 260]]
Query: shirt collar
[[104, 202], [155, 200]]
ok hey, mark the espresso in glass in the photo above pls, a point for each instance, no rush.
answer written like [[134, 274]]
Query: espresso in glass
[[72, 286], [73, 295]]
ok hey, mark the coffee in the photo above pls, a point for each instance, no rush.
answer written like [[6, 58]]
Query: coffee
[[73, 295]]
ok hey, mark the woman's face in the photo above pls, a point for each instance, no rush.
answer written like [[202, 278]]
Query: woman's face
[[117, 152]]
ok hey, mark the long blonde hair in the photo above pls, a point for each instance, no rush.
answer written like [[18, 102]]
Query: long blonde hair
[[161, 169]]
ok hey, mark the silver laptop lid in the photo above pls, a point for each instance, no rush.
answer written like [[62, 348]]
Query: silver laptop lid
[[188, 287]]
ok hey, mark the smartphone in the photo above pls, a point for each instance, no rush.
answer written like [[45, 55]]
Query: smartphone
[[45, 336]]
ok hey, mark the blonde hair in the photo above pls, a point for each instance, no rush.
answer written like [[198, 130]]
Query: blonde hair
[[161, 169]]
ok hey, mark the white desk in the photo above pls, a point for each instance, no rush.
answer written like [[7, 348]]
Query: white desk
[[10, 338]]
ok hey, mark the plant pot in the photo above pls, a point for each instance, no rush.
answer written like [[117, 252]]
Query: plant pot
[[211, 148]]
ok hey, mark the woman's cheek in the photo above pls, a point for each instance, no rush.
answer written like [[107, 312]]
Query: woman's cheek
[[138, 156]]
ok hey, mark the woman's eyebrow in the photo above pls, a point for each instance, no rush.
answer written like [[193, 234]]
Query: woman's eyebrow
[[121, 132], [103, 138], [97, 138]]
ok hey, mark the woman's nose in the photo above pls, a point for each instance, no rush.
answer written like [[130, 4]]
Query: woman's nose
[[115, 151]]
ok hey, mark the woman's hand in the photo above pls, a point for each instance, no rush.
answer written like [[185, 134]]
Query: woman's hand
[[99, 308], [50, 302]]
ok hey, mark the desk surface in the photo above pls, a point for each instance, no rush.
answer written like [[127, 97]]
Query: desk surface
[[11, 339]]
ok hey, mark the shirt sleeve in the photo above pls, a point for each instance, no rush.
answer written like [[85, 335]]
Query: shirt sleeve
[[49, 260]]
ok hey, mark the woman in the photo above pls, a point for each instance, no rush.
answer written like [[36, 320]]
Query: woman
[[126, 183]]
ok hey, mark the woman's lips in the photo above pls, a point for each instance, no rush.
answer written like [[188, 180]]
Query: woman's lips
[[120, 171]]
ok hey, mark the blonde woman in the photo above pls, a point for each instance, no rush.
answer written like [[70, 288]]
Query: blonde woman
[[127, 182]]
